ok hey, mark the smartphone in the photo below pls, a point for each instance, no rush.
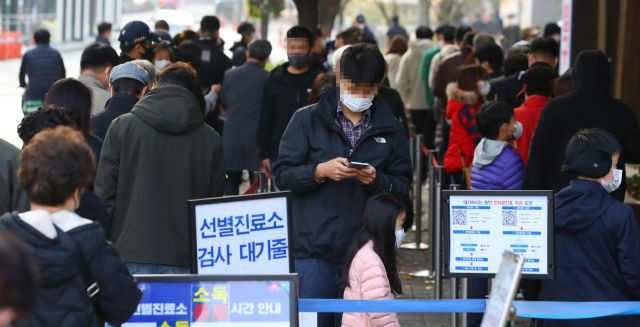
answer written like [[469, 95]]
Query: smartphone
[[358, 165]]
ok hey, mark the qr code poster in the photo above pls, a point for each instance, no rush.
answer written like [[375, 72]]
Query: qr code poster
[[459, 217], [509, 218]]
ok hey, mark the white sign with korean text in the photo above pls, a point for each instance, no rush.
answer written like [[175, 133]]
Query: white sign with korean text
[[242, 236], [482, 227]]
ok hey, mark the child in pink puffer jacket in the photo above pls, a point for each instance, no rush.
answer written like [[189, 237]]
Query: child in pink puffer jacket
[[371, 272]]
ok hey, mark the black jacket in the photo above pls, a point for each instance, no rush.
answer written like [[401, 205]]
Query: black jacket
[[118, 105], [506, 89], [597, 252], [284, 93], [213, 65], [238, 49], [154, 159], [588, 105], [68, 263], [327, 214], [43, 65]]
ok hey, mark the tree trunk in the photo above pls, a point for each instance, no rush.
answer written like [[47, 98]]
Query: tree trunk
[[314, 13]]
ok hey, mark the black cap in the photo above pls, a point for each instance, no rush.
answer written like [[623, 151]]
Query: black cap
[[592, 163], [137, 31]]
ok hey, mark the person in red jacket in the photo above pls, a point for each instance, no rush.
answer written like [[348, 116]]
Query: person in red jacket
[[465, 96], [537, 87]]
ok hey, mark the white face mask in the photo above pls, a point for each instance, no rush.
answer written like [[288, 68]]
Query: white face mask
[[518, 131], [399, 237], [354, 103], [613, 185], [484, 88], [160, 64]]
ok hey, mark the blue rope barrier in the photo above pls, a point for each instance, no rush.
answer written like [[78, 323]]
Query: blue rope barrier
[[524, 309]]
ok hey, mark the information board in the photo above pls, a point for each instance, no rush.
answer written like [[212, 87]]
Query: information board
[[192, 300], [503, 290], [480, 225], [241, 235]]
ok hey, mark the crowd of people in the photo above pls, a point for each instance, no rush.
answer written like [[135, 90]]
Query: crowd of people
[[99, 191]]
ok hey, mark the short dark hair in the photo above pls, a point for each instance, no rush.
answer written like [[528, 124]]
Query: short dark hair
[[461, 31], [44, 117], [491, 116], [538, 79], [161, 25], [551, 29], [448, 33], [104, 27], [245, 27], [127, 86], [362, 63], [468, 77], [588, 140], [424, 32], [183, 75], [468, 39], [55, 164], [190, 52], [186, 35], [516, 60], [73, 96], [259, 49], [545, 46], [97, 56], [300, 32], [42, 36], [209, 23], [491, 53], [351, 35], [18, 275]]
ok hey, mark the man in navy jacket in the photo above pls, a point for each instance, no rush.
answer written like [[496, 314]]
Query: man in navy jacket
[[348, 124]]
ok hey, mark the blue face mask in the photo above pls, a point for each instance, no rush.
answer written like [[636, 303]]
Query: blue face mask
[[356, 104]]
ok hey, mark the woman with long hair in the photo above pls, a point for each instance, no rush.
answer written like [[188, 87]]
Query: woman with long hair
[[370, 271], [397, 48]]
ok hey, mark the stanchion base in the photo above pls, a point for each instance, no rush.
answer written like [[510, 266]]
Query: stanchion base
[[421, 273], [412, 246]]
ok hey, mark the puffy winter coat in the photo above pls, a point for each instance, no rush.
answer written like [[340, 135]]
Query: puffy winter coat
[[496, 167], [462, 144], [72, 253], [368, 281]]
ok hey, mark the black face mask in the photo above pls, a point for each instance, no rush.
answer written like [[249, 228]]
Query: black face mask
[[298, 60], [148, 54]]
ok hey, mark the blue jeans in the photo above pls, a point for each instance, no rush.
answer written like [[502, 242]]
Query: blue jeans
[[320, 279], [154, 269]]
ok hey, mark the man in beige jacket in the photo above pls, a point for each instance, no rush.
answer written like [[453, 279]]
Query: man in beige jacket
[[95, 66]]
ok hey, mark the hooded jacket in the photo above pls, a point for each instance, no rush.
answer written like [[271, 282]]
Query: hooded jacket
[[588, 105], [72, 253], [284, 93], [154, 159], [327, 214], [596, 252], [408, 81], [461, 143], [496, 167]]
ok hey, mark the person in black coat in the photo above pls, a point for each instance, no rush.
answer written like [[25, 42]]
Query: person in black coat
[[91, 206], [329, 195], [129, 82], [588, 105], [214, 62], [286, 91], [597, 239], [83, 279]]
